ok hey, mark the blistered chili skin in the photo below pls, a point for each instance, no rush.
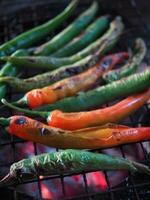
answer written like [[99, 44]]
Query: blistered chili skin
[[68, 161], [131, 66], [72, 85]]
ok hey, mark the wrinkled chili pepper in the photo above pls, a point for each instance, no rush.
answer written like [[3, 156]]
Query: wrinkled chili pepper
[[103, 94], [30, 37], [70, 86], [67, 161], [48, 78], [68, 33], [88, 138], [50, 63], [78, 120], [93, 31], [131, 66]]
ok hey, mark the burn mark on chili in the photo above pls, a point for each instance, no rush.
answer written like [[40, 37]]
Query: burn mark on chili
[[57, 88], [43, 131], [73, 71], [117, 135], [21, 121], [107, 62], [52, 78], [19, 175], [120, 55]]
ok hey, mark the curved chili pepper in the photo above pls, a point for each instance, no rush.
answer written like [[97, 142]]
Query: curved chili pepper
[[58, 163], [28, 38], [131, 66], [48, 78], [92, 32], [70, 86], [68, 33], [88, 138], [103, 94], [78, 120], [50, 63]]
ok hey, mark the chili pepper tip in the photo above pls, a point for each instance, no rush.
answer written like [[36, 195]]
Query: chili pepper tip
[[141, 168], [8, 180], [4, 121]]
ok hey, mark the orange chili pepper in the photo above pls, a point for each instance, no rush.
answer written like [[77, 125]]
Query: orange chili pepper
[[78, 120], [112, 114], [70, 86], [88, 138]]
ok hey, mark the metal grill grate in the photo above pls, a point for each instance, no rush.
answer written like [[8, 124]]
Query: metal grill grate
[[26, 15]]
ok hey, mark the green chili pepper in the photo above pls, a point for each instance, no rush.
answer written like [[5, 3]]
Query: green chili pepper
[[48, 78], [6, 68], [116, 28], [67, 161], [131, 66], [30, 37], [70, 32], [95, 30], [103, 94], [11, 70]]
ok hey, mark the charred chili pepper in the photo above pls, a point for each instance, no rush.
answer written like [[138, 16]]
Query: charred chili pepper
[[103, 94], [88, 138], [27, 39], [95, 30], [67, 161], [131, 66], [10, 70], [68, 33], [70, 86], [78, 120], [50, 63], [48, 78], [30, 37]]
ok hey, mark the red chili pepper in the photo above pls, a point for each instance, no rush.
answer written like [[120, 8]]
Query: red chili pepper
[[89, 138], [78, 120], [72, 85]]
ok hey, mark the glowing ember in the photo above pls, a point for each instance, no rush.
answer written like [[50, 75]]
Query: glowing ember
[[97, 181], [46, 193]]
